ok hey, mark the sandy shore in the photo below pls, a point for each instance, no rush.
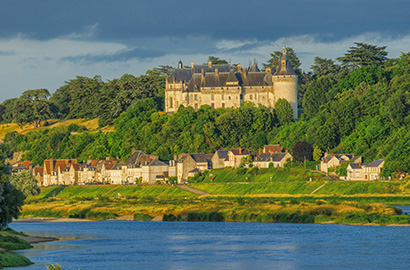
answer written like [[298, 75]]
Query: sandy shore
[[53, 220]]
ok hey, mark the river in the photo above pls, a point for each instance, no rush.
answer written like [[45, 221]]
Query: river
[[217, 245]]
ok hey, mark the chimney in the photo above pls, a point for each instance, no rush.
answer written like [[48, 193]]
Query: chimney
[[332, 155], [175, 156], [268, 70], [240, 150], [202, 74], [148, 158], [244, 72], [239, 68], [259, 151], [192, 64], [209, 64], [51, 164], [360, 164], [286, 150], [216, 72]]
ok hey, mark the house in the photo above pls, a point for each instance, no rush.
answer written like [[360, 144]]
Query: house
[[277, 159], [153, 171], [365, 171], [20, 166], [53, 171], [235, 157], [188, 162], [333, 160], [219, 158]]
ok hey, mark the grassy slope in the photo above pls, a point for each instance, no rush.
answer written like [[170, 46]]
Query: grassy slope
[[89, 124]]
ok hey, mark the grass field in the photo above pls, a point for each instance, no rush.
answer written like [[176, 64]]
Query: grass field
[[91, 125]]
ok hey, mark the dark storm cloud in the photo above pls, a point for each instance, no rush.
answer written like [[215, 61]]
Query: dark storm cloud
[[263, 20]]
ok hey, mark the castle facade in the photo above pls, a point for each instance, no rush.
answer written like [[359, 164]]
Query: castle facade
[[222, 86]]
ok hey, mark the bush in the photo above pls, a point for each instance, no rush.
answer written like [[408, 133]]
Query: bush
[[142, 216]]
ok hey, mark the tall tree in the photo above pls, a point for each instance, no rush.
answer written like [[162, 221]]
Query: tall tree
[[25, 182], [327, 67], [302, 151], [364, 55], [284, 111], [316, 95]]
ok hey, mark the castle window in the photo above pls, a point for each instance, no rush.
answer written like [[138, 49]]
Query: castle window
[[223, 105], [195, 97], [223, 97], [229, 97], [196, 106], [250, 97], [213, 105], [170, 102], [212, 97]]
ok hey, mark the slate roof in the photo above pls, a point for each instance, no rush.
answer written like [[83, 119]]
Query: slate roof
[[375, 163], [136, 158], [274, 157], [222, 153], [156, 162]]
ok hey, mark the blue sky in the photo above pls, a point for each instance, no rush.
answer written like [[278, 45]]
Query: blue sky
[[44, 43]]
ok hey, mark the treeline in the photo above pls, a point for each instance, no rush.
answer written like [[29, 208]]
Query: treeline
[[359, 106], [85, 97]]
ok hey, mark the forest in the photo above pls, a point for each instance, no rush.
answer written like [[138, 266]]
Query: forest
[[358, 103]]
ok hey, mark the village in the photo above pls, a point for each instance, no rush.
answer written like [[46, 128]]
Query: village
[[148, 169]]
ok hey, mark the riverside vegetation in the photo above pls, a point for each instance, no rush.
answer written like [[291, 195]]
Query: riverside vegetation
[[292, 199]]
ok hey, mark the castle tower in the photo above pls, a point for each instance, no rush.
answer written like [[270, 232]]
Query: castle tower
[[285, 83]]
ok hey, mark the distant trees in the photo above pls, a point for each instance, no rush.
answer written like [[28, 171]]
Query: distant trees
[[302, 151], [25, 182], [216, 61], [363, 55]]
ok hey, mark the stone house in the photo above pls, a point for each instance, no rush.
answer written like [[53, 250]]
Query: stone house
[[153, 171], [365, 171], [277, 159], [334, 160], [219, 158], [188, 162], [235, 157], [53, 171]]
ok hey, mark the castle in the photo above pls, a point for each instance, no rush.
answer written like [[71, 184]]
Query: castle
[[222, 86]]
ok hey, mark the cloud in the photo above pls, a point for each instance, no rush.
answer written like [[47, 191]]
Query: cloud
[[30, 64]]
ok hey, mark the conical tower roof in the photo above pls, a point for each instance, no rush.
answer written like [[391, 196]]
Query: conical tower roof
[[284, 66]]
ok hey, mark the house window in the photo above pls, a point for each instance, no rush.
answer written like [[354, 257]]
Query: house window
[[213, 105], [223, 105], [195, 97], [223, 97], [229, 97], [250, 97], [212, 97], [170, 102], [196, 106]]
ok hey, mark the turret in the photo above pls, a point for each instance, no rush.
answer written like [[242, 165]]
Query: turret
[[285, 83]]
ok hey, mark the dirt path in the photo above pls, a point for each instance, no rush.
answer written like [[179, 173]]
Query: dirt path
[[318, 188], [194, 190]]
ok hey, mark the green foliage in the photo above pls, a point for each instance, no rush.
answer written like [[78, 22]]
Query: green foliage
[[216, 61], [53, 266], [142, 216], [10, 259], [364, 55], [315, 95], [283, 111], [25, 182], [13, 243]]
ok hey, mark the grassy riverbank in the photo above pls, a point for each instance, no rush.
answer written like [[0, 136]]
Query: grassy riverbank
[[316, 201], [9, 241]]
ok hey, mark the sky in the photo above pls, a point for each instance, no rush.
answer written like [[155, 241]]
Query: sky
[[45, 43]]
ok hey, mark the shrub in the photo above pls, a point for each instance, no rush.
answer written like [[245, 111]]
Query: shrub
[[142, 216]]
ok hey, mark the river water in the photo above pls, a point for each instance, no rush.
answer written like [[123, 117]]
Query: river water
[[217, 245]]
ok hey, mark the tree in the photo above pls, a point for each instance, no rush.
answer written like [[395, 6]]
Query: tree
[[11, 199], [315, 95], [276, 56], [364, 55], [317, 153], [25, 182], [284, 111], [216, 61], [302, 151], [33, 107], [327, 67]]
